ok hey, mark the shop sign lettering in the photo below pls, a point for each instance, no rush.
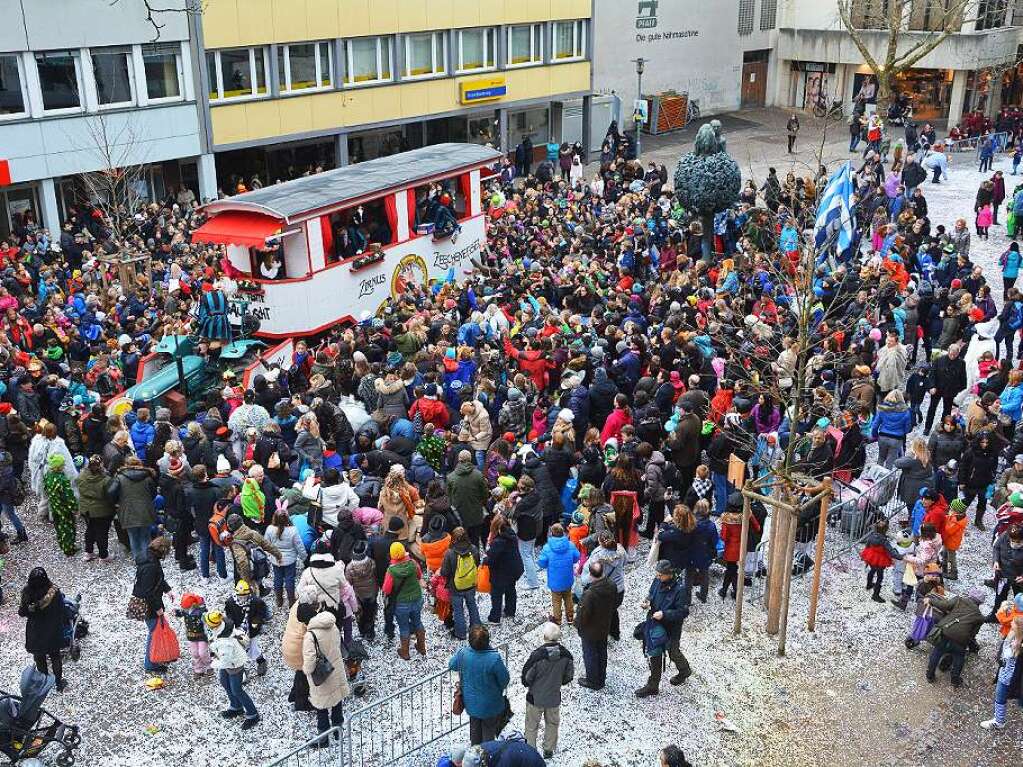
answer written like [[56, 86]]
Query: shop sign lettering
[[447, 260]]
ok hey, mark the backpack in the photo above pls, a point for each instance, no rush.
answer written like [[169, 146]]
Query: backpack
[[259, 563], [1016, 316], [218, 527], [465, 572]]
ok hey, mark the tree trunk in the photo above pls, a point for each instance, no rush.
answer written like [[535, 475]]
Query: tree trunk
[[884, 94]]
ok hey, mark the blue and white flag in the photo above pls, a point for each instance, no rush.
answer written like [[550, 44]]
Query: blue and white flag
[[833, 232]]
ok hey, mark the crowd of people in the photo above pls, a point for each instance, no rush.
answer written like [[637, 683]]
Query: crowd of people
[[578, 401]]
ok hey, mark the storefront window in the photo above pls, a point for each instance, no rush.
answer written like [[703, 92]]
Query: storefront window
[[112, 70], [534, 123], [59, 80], [162, 63], [929, 91], [12, 95], [483, 129], [20, 207]]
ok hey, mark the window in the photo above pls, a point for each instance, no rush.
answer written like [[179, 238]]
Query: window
[[304, 66], [525, 45], [162, 63], [569, 40], [59, 80], [477, 49], [12, 94], [746, 10], [425, 54], [112, 69], [367, 60], [991, 14], [873, 14], [237, 73], [768, 14]]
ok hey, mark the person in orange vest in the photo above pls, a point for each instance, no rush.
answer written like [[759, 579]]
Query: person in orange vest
[[952, 538]]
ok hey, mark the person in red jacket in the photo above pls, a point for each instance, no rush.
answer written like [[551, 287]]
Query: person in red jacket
[[430, 408], [731, 534], [936, 514], [620, 416], [532, 362]]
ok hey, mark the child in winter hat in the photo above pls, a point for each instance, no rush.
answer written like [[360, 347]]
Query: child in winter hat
[[193, 609]]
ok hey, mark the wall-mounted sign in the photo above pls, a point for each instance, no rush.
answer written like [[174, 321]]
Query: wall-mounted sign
[[482, 91]]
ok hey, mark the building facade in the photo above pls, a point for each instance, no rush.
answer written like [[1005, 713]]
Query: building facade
[[291, 86], [817, 59], [716, 51], [84, 88]]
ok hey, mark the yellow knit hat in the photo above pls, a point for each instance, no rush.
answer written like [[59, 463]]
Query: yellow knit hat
[[397, 551]]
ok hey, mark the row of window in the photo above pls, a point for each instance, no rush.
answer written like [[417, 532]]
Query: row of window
[[68, 81], [240, 73]]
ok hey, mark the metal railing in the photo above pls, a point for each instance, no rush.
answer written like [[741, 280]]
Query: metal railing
[[973, 143], [397, 726]]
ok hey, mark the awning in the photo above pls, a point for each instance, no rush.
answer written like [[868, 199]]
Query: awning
[[236, 227]]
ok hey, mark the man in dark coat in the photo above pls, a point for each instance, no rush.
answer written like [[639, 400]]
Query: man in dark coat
[[948, 378], [547, 670], [593, 622], [666, 606]]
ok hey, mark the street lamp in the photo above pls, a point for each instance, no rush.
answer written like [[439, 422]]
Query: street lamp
[[637, 115]]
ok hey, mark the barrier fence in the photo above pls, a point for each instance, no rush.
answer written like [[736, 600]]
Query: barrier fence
[[401, 725], [973, 144]]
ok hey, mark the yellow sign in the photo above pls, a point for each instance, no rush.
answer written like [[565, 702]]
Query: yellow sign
[[482, 91]]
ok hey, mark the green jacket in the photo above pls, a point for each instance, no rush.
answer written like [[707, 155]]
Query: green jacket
[[406, 575], [93, 501], [962, 620], [468, 492], [134, 488]]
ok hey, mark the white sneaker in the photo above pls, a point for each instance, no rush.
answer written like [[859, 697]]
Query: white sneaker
[[992, 724], [87, 557]]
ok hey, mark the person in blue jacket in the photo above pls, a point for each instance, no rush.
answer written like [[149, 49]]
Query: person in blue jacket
[[484, 677], [702, 551], [891, 425], [1010, 262], [558, 557], [509, 752]]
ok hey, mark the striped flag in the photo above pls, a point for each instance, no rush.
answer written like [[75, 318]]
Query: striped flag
[[833, 232]]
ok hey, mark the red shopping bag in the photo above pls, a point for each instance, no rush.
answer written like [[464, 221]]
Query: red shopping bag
[[164, 647]]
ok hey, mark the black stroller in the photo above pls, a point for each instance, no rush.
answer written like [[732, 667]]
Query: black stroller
[[27, 729], [75, 627]]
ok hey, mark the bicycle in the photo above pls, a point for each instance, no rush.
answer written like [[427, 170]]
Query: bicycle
[[821, 108], [692, 112]]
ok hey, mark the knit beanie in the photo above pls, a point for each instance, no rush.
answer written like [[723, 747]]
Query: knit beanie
[[958, 506]]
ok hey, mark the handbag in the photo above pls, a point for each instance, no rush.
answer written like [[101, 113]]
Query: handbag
[[504, 717], [483, 579], [164, 647], [274, 461], [909, 577], [323, 668], [457, 701], [655, 552], [137, 609], [922, 625]]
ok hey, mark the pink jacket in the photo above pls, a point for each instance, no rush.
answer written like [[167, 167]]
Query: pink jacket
[[984, 216]]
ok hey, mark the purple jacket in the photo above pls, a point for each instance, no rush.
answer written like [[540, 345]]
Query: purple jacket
[[766, 422]]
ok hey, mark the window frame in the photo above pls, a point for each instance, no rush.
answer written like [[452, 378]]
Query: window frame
[[19, 65], [578, 41], [76, 58], [217, 78], [284, 65], [536, 46], [490, 47], [439, 57], [384, 52], [129, 68], [178, 67]]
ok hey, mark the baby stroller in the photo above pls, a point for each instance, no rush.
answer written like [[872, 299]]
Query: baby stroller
[[27, 729], [355, 655], [75, 627]]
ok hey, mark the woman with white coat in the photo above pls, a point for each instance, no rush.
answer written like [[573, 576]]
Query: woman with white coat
[[327, 575], [44, 444], [323, 641], [982, 341], [575, 173]]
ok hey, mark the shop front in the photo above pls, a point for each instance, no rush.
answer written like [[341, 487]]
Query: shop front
[[812, 81], [19, 206], [928, 90]]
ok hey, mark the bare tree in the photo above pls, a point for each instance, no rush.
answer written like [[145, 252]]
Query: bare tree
[[119, 185], [156, 10], [909, 30]]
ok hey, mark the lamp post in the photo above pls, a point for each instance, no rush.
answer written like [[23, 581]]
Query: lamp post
[[637, 117]]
